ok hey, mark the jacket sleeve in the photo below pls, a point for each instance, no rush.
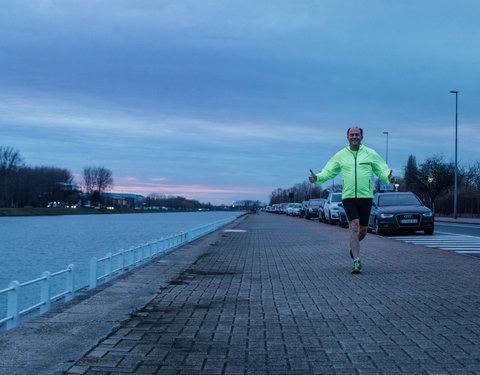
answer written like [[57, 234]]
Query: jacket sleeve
[[380, 168], [331, 169]]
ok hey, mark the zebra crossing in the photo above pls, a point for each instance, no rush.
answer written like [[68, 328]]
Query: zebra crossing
[[459, 243]]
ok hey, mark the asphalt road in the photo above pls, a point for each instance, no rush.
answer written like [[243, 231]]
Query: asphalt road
[[465, 229]]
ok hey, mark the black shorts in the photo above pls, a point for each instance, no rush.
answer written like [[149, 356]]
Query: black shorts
[[358, 208]]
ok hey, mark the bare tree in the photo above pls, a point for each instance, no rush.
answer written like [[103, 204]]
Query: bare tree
[[104, 179], [10, 162], [88, 179], [97, 178]]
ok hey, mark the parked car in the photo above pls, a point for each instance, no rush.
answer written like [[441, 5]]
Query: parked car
[[294, 209], [331, 209], [342, 217], [399, 212], [279, 208], [321, 214], [303, 209], [289, 208], [312, 208]]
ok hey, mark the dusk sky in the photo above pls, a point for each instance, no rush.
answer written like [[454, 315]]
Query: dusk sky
[[228, 100]]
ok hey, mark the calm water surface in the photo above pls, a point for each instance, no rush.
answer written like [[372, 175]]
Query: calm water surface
[[31, 245]]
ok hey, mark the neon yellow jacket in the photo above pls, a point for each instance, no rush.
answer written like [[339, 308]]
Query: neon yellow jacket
[[356, 168]]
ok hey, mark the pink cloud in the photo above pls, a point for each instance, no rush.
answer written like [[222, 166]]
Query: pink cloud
[[216, 194]]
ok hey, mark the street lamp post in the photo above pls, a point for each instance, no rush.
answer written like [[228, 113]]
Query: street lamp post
[[430, 183], [456, 167], [387, 147]]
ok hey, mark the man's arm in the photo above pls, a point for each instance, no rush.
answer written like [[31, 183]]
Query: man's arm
[[381, 169], [330, 170]]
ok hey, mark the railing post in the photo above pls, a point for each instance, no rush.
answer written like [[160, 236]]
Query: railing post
[[108, 266], [70, 283], [128, 258], [45, 292], [134, 257], [12, 305], [93, 273], [122, 261]]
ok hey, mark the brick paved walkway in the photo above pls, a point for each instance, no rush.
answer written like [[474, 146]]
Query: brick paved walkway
[[279, 299]]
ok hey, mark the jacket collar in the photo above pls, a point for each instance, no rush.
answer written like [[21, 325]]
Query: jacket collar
[[359, 148]]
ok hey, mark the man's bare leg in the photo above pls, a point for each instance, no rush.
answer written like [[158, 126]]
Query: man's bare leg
[[362, 233], [357, 233], [354, 229]]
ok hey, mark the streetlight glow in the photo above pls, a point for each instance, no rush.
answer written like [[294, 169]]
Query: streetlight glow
[[456, 167]]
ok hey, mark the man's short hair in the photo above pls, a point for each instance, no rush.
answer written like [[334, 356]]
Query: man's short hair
[[361, 130]]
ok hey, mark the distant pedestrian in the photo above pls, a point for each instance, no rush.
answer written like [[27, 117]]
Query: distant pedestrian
[[356, 162]]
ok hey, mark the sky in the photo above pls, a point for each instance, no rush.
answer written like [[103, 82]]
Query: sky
[[222, 101]]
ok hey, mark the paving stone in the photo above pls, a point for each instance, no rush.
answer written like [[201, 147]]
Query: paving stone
[[279, 299]]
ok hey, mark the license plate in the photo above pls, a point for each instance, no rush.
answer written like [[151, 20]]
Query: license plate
[[408, 221]]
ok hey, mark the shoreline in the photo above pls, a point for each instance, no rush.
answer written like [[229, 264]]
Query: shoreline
[[7, 212]]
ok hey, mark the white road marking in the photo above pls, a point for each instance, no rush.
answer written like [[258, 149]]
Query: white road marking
[[459, 243]]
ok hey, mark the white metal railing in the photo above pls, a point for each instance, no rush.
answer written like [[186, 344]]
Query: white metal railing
[[112, 265], [15, 288]]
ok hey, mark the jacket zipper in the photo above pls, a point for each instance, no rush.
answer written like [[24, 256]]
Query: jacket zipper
[[355, 156]]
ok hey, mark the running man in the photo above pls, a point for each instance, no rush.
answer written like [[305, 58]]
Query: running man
[[356, 162]]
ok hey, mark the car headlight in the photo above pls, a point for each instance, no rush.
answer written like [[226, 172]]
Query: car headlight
[[428, 214], [386, 216]]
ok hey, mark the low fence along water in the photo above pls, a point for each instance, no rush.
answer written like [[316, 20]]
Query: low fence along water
[[101, 271]]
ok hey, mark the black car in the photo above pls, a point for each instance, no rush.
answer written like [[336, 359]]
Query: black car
[[303, 209], [312, 208], [399, 212]]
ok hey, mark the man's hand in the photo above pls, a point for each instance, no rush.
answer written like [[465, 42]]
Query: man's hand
[[313, 177], [391, 177]]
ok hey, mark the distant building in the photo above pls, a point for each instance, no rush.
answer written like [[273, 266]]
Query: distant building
[[120, 200], [68, 187], [246, 204]]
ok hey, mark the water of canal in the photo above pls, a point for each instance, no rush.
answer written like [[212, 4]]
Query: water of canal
[[31, 245]]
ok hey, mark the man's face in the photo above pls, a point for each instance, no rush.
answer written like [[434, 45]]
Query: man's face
[[354, 137]]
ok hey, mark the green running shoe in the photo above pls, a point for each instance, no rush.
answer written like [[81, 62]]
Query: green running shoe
[[357, 266]]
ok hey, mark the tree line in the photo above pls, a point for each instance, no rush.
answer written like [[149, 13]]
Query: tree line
[[26, 186], [433, 181], [175, 202]]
